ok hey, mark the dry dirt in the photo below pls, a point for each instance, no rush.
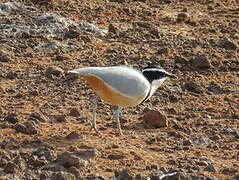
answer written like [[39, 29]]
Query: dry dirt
[[45, 114]]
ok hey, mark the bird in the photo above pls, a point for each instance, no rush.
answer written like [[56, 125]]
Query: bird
[[122, 86]]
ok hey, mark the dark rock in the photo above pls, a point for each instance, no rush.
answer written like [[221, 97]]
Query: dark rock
[[61, 57], [68, 159], [201, 62], [59, 118], [36, 163], [156, 119], [4, 57], [228, 171], [210, 168], [45, 153], [74, 112], [11, 75], [182, 17], [172, 162], [63, 176], [193, 87], [124, 175], [228, 44], [87, 154], [26, 128], [75, 171], [11, 167], [44, 175], [187, 142], [12, 118], [56, 71], [116, 156], [3, 162], [237, 176], [73, 32], [180, 60], [36, 117], [113, 29], [175, 134], [73, 135]]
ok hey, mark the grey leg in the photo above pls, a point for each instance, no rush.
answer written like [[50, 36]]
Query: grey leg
[[117, 114], [94, 102]]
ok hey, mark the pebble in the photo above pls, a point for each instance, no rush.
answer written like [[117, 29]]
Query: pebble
[[210, 168], [12, 118], [11, 167], [113, 29], [193, 87], [3, 162], [124, 174], [4, 57], [26, 128], [155, 119], [45, 153], [36, 117], [227, 43], [74, 112], [201, 61], [68, 159], [53, 70], [59, 118], [63, 176], [73, 135]]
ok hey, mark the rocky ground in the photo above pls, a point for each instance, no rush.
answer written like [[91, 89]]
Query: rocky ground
[[45, 113]]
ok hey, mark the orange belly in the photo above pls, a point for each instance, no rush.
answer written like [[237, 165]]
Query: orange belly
[[108, 94]]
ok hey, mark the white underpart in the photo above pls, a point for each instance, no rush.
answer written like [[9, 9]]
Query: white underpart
[[155, 85], [124, 80]]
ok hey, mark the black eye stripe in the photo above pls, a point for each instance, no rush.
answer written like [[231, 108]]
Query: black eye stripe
[[154, 75]]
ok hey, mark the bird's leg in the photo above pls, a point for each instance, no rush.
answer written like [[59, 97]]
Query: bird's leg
[[117, 115], [94, 101]]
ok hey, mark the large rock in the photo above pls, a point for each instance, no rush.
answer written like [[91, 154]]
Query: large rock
[[155, 119]]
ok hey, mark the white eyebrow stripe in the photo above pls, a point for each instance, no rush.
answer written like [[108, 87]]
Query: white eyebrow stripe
[[155, 69]]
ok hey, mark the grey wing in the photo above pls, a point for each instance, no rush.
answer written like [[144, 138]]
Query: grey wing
[[126, 81]]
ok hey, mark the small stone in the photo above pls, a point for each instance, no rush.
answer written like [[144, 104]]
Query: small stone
[[229, 171], [237, 176], [4, 57], [180, 60], [11, 75], [12, 118], [193, 87], [113, 29], [71, 161], [73, 135], [124, 175], [182, 17], [68, 159], [210, 168], [11, 167], [26, 128], [187, 142], [116, 156], [50, 71], [3, 162], [74, 170], [45, 153], [61, 57], [201, 61], [74, 112], [36, 117], [59, 118], [156, 119], [63, 176], [227, 43]]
